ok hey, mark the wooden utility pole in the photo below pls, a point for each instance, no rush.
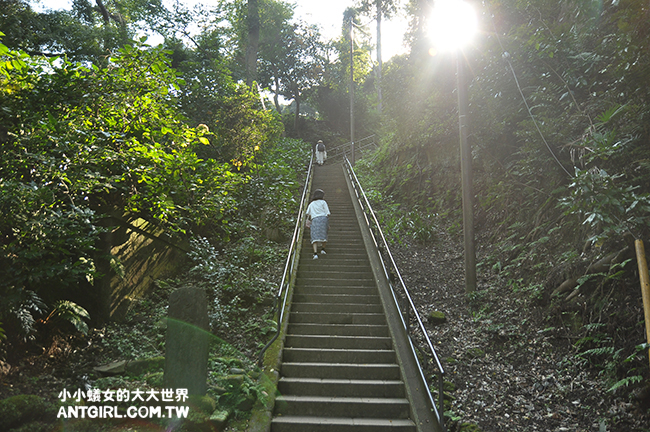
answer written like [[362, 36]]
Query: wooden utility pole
[[645, 284], [352, 89], [466, 175], [379, 60]]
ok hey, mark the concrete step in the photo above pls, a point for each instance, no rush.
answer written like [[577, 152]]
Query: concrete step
[[332, 288], [337, 307], [360, 266], [341, 387], [330, 424], [336, 341], [329, 406], [388, 371], [337, 318], [342, 269], [313, 355], [347, 227], [325, 281], [338, 329], [343, 245], [365, 290], [334, 258], [335, 272], [336, 298]]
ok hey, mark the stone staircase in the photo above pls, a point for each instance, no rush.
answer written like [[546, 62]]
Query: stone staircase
[[339, 370]]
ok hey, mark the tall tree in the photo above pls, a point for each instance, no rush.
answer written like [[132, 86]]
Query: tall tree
[[296, 63], [253, 20], [332, 95], [89, 31], [383, 9]]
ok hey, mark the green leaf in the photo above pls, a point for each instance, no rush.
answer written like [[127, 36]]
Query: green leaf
[[73, 313]]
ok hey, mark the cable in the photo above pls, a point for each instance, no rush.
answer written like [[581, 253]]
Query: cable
[[506, 57]]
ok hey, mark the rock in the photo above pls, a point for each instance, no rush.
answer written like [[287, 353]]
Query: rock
[[231, 361], [113, 368], [247, 404], [437, 317], [234, 380], [468, 427], [237, 371], [205, 404], [218, 390], [155, 379], [186, 348], [133, 368], [138, 367], [197, 421], [219, 418]]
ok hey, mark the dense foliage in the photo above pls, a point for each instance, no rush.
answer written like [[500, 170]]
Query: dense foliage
[[557, 115], [83, 146]]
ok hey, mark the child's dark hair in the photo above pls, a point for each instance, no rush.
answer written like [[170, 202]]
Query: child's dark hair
[[318, 194]]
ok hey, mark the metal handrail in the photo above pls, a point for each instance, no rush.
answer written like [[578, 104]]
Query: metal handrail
[[411, 310], [344, 149], [292, 255]]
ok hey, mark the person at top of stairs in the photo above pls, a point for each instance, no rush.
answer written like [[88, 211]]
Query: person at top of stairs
[[318, 212], [321, 152]]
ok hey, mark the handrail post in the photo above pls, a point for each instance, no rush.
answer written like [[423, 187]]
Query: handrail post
[[441, 398]]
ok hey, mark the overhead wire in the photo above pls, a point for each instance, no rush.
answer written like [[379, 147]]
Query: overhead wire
[[506, 57]]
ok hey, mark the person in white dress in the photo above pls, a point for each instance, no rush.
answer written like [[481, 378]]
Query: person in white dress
[[321, 153], [318, 212]]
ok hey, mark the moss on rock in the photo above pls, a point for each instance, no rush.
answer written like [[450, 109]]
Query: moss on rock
[[437, 317], [468, 427]]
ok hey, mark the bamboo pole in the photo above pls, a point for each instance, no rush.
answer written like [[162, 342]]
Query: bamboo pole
[[645, 285]]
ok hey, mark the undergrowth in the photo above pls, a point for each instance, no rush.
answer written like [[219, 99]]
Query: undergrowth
[[531, 237]]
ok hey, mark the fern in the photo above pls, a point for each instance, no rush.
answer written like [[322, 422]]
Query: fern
[[598, 351], [25, 304], [626, 382], [71, 312]]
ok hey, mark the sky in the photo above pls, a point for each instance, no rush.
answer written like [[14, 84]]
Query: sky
[[328, 14]]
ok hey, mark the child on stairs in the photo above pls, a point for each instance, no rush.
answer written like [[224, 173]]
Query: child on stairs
[[318, 212]]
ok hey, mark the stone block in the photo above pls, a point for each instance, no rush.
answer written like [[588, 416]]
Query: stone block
[[187, 341]]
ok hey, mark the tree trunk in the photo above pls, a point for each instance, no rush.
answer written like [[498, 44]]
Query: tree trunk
[[276, 82], [253, 41], [295, 119], [379, 61], [103, 11]]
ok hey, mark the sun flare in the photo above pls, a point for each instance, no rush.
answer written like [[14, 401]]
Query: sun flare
[[452, 25]]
